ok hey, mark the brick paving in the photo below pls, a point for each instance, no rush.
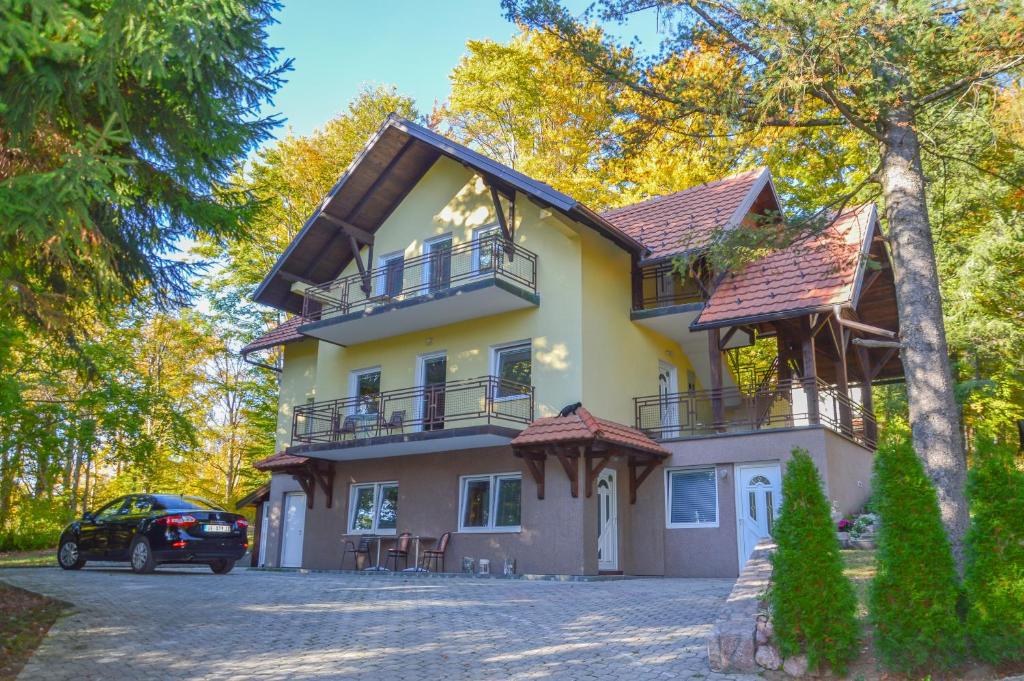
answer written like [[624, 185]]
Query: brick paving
[[184, 623]]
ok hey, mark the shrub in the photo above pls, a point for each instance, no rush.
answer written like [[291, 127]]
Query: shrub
[[813, 603], [913, 598], [994, 577]]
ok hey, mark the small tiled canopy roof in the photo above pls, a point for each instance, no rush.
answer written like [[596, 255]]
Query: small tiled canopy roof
[[257, 496], [279, 462], [583, 427], [812, 274], [279, 335], [687, 220]]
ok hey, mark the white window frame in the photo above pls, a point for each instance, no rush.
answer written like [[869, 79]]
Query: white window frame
[[478, 236], [495, 352], [380, 285], [377, 486], [353, 385], [492, 479], [668, 498], [427, 245]]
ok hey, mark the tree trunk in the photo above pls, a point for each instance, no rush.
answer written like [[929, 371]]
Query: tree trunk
[[933, 409]]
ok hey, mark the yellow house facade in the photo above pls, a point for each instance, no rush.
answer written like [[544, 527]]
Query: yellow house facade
[[452, 315]]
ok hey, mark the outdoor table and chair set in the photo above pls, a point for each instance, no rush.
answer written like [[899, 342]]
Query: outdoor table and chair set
[[369, 547]]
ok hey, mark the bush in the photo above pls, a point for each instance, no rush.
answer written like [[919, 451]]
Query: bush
[[913, 598], [994, 578], [813, 604]]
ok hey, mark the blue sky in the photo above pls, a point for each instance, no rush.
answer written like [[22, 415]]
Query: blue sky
[[339, 45]]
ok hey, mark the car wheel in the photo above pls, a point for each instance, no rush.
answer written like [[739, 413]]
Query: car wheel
[[141, 556], [69, 557], [222, 567]]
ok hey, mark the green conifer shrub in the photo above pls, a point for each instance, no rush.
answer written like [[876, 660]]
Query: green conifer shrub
[[813, 603], [913, 598], [994, 575]]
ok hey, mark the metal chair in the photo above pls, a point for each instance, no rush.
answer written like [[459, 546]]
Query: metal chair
[[401, 550], [348, 546], [348, 427], [396, 422], [432, 556]]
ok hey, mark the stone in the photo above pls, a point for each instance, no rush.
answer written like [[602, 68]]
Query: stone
[[765, 631], [795, 666], [731, 647], [768, 657]]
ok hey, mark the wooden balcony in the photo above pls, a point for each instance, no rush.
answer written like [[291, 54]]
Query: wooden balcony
[[769, 406], [464, 414], [471, 280]]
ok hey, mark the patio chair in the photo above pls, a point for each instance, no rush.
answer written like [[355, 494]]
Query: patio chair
[[348, 546], [401, 550], [348, 427], [432, 556], [396, 422]]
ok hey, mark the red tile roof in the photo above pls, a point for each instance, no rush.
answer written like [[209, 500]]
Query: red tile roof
[[584, 427], [279, 461], [279, 335], [686, 220], [816, 272]]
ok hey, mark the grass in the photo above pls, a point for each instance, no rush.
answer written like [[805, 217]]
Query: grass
[[13, 559], [25, 617]]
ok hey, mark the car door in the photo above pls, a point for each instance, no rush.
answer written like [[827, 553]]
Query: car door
[[93, 532], [122, 526]]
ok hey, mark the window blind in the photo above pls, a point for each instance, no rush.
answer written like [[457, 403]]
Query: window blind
[[693, 497]]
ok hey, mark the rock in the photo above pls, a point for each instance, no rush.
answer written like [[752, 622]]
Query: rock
[[795, 666], [731, 647], [765, 631], [768, 657], [761, 636]]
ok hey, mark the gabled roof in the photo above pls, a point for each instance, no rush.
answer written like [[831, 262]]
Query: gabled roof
[[390, 165], [285, 332], [811, 275], [687, 220], [279, 461], [582, 427], [255, 497]]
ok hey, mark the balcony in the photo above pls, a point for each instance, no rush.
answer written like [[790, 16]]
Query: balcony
[[464, 414], [451, 284], [781, 404]]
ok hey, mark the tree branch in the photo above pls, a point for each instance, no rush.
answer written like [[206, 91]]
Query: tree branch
[[967, 81]]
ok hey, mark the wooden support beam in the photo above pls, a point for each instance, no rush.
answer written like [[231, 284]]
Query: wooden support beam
[[536, 466], [364, 272], [860, 326], [715, 359], [727, 337], [294, 278], [810, 375], [570, 463], [507, 228], [325, 478], [360, 235], [869, 280], [305, 481], [594, 471], [635, 480], [867, 343]]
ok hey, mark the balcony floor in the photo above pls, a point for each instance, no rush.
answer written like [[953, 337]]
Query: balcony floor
[[469, 301], [403, 444]]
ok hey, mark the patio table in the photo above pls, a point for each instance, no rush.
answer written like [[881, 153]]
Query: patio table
[[377, 567], [416, 561]]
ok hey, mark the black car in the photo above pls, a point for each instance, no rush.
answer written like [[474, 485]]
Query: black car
[[149, 529]]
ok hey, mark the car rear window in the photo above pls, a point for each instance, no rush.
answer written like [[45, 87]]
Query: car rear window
[[184, 503]]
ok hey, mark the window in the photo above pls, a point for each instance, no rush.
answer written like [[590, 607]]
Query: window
[[373, 508], [391, 278], [112, 510], [438, 272], [365, 389], [513, 366], [691, 498], [485, 249], [490, 503]]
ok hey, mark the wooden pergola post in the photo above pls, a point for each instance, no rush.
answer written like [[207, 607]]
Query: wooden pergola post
[[810, 377], [715, 360], [867, 399]]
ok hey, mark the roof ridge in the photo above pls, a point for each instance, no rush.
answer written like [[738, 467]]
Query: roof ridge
[[696, 187]]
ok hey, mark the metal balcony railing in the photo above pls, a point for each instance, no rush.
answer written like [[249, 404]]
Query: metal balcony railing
[[400, 279], [775, 404], [659, 285], [467, 402]]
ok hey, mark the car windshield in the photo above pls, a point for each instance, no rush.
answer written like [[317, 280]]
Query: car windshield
[[186, 502]]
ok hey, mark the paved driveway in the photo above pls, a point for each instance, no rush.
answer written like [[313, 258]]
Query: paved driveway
[[189, 623]]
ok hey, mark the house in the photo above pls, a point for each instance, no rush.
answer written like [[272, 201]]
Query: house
[[450, 314]]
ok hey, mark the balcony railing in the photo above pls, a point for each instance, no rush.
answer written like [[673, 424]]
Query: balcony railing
[[779, 404], [443, 269], [659, 285], [454, 404]]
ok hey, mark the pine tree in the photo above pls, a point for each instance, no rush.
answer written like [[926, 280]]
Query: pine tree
[[913, 599], [813, 603], [994, 580]]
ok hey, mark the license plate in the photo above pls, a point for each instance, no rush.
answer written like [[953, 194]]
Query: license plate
[[216, 528]]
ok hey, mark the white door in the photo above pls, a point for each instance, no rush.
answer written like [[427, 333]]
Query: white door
[[264, 513], [294, 526], [758, 499], [607, 522], [668, 386]]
